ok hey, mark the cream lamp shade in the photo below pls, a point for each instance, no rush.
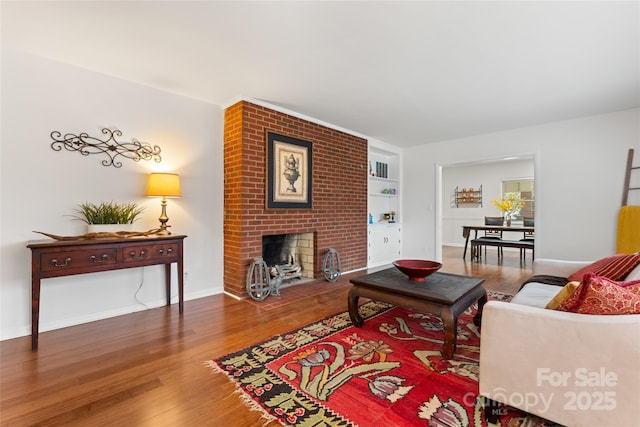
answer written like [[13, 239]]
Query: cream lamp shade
[[164, 185]]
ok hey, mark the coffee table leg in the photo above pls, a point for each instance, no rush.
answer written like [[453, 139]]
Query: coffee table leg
[[449, 322], [354, 314], [477, 319]]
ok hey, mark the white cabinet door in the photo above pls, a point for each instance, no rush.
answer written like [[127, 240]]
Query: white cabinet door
[[384, 245], [393, 242]]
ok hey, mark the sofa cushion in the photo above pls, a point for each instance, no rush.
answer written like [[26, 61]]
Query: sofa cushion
[[562, 295], [615, 267], [634, 275], [600, 295], [535, 295], [546, 279]]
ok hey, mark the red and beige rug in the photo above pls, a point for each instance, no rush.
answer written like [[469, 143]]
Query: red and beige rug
[[387, 373]]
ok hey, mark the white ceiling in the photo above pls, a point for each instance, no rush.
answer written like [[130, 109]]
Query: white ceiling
[[406, 73]]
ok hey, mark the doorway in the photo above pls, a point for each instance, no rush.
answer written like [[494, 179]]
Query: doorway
[[487, 175]]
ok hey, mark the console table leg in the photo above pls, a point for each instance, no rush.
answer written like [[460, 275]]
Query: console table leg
[[181, 286], [35, 311], [167, 282]]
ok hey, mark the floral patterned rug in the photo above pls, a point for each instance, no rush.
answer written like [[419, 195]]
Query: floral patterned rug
[[387, 373]]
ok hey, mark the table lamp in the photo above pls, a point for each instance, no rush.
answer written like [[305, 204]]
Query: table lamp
[[163, 185]]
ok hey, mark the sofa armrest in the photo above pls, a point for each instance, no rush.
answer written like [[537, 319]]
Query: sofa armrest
[[573, 369], [556, 267]]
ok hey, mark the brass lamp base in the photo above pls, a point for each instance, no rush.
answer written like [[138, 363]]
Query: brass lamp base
[[164, 219]]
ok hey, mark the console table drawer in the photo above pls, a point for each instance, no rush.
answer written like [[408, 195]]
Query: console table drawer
[[71, 260], [137, 253]]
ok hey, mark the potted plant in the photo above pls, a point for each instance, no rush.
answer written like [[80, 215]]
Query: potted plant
[[108, 216]]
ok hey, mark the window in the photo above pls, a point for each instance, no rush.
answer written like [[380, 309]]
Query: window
[[525, 188]]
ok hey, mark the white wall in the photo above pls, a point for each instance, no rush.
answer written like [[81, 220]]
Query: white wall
[[579, 172], [40, 187], [490, 175], [577, 161]]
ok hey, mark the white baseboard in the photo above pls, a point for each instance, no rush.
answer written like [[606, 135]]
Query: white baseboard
[[455, 245], [92, 317]]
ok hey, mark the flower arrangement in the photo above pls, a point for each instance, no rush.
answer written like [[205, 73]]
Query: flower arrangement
[[510, 204]]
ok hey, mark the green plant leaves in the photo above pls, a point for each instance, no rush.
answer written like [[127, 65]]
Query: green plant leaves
[[108, 213]]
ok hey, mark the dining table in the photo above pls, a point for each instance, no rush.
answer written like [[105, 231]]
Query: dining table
[[466, 232]]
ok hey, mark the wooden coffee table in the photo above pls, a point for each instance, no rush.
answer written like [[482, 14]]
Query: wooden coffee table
[[441, 294]]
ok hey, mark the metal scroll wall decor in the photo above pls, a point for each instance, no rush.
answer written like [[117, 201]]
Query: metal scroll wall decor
[[111, 147]]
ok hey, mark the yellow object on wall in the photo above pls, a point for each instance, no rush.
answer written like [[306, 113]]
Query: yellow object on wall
[[628, 230]]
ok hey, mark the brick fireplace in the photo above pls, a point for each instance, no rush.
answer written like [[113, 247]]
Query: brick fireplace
[[338, 218], [290, 250]]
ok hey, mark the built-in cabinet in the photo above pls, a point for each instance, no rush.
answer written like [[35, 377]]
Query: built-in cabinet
[[385, 195], [384, 244]]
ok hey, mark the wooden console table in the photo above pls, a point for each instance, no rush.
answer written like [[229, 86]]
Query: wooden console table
[[57, 258]]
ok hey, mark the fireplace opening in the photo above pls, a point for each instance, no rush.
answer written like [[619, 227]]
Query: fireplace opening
[[293, 253]]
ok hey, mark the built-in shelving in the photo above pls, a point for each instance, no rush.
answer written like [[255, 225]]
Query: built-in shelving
[[384, 189]]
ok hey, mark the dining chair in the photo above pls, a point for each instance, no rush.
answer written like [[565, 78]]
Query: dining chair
[[493, 220], [488, 234], [529, 236]]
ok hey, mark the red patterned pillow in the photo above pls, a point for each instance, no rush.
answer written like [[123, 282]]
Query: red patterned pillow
[[614, 267], [599, 295]]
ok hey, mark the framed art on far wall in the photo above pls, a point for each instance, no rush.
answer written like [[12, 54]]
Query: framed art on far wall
[[289, 171]]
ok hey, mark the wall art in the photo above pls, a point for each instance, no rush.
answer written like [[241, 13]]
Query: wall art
[[111, 147], [289, 172]]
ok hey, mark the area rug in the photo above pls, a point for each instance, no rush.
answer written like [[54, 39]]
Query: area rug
[[387, 373]]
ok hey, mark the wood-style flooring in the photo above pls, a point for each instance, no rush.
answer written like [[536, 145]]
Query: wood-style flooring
[[147, 368]]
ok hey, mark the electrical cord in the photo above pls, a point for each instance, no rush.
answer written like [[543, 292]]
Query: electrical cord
[[135, 295]]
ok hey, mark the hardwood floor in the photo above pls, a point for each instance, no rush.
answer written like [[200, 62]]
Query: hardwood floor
[[147, 368]]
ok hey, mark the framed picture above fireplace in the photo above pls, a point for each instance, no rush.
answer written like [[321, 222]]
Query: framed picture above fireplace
[[289, 172]]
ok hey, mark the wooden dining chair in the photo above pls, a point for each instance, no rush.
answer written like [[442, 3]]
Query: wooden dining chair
[[493, 220], [476, 247], [529, 236]]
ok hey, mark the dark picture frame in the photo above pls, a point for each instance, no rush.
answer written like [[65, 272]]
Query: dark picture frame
[[289, 172]]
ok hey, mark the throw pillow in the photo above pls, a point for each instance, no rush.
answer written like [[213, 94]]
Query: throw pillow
[[599, 295], [562, 295], [631, 286], [614, 267]]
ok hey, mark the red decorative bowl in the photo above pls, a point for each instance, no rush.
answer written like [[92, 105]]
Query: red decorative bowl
[[417, 269]]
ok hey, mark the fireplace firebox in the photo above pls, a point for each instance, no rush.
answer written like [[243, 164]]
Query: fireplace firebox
[[293, 253]]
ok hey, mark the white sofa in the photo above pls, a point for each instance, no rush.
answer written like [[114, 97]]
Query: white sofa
[[572, 369]]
